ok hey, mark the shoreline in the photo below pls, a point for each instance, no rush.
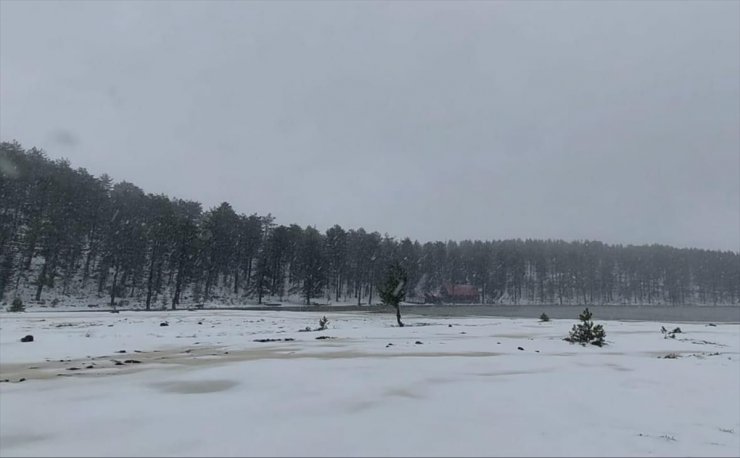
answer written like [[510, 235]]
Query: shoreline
[[680, 313]]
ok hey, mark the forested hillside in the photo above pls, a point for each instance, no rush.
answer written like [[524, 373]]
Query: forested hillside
[[69, 237]]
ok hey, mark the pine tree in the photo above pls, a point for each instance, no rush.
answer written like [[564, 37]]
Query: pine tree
[[183, 261], [393, 289], [311, 266], [17, 305], [585, 332], [336, 251]]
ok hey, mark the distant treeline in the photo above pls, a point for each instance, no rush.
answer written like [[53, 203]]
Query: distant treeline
[[67, 233]]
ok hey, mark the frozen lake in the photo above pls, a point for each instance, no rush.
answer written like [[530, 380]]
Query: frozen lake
[[679, 313], [101, 384], [724, 314]]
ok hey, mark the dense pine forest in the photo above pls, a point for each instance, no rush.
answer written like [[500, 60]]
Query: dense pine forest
[[69, 237]]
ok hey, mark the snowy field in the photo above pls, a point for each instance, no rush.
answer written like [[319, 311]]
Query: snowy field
[[440, 386]]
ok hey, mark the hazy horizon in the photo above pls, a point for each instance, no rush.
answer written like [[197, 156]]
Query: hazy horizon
[[611, 121]]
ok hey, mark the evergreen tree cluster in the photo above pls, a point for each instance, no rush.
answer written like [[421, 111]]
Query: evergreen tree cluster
[[67, 233]]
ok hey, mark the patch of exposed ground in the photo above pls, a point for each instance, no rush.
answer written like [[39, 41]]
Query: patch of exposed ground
[[198, 356]]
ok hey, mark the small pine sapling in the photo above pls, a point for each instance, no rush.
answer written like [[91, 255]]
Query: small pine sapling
[[586, 332], [17, 305], [544, 317]]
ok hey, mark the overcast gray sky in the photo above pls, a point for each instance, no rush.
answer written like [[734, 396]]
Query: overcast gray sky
[[614, 121]]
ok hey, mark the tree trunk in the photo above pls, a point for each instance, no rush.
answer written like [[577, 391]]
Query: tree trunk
[[86, 271], [249, 274], [260, 288], [178, 286], [113, 287], [150, 283], [102, 278], [91, 252], [29, 257], [176, 298], [178, 280], [236, 281], [40, 282], [207, 289], [398, 315], [158, 281]]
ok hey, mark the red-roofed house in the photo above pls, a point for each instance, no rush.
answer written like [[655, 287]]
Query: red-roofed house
[[454, 294], [459, 293]]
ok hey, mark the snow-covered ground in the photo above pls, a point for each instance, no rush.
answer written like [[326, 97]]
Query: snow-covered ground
[[203, 386]]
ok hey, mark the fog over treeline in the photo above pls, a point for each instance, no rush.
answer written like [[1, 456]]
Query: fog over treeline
[[68, 235]]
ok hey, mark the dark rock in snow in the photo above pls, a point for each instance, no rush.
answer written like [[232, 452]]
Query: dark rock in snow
[[90, 367], [121, 351], [449, 325], [132, 361], [73, 368], [389, 345], [324, 337], [712, 324], [117, 363], [519, 348], [28, 338], [164, 323], [21, 380], [419, 342]]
